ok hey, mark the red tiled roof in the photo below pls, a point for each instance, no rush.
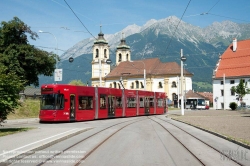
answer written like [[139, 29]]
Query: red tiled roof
[[235, 64], [191, 94], [153, 67], [207, 95]]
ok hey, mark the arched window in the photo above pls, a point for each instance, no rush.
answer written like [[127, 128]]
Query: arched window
[[137, 84], [120, 58], [127, 57], [160, 85], [96, 53], [119, 86], [142, 86], [132, 85], [114, 84], [110, 85], [175, 97], [105, 53], [173, 84]]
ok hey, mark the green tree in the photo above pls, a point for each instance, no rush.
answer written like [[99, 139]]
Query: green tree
[[76, 82], [25, 60], [10, 86], [241, 89]]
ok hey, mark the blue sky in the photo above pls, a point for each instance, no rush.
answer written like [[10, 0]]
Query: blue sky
[[55, 16]]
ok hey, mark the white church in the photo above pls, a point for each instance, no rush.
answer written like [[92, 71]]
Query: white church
[[145, 74]]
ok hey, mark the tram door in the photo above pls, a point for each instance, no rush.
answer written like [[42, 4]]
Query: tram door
[[72, 107], [146, 105], [111, 106]]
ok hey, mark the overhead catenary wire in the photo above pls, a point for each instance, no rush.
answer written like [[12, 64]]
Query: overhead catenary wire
[[177, 26], [213, 6], [80, 20]]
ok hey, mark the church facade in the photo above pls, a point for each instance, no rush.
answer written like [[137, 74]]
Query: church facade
[[145, 74]]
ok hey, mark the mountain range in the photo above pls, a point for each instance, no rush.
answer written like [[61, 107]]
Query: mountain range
[[164, 39]]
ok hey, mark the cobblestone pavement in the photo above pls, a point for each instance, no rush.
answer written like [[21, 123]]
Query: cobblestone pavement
[[234, 125]]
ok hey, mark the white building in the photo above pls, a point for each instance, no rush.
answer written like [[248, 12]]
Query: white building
[[233, 65], [148, 74]]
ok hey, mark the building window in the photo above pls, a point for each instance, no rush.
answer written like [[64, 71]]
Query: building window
[[110, 85], [221, 82], [173, 84], [119, 86], [120, 58], [127, 57], [232, 93], [142, 85], [174, 97], [96, 53], [114, 84], [222, 92], [137, 84], [243, 80], [160, 85], [105, 53], [231, 81], [132, 85]]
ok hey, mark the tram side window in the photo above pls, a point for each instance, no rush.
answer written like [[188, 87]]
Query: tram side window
[[118, 102], [141, 102], [131, 102], [159, 102], [102, 101], [60, 101], [85, 102], [146, 101], [151, 102]]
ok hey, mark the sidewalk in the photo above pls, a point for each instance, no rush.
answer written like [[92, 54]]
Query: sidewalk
[[20, 121]]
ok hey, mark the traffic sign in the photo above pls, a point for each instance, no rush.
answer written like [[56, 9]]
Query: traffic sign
[[108, 61], [58, 75], [71, 59]]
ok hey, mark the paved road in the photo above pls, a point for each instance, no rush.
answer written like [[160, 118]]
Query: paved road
[[127, 141]]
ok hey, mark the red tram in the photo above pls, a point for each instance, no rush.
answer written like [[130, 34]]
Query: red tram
[[78, 103]]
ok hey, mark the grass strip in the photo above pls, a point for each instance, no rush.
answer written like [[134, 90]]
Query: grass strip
[[8, 131]]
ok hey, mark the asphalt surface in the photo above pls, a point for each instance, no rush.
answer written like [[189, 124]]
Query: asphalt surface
[[45, 135]]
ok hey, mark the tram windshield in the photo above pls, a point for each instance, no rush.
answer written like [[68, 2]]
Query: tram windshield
[[52, 101]]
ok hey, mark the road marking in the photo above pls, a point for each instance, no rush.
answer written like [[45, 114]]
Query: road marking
[[35, 142]]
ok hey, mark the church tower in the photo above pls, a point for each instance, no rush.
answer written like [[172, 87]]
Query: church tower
[[99, 66], [123, 52]]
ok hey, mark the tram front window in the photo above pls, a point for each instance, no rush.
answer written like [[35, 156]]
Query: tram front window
[[52, 101]]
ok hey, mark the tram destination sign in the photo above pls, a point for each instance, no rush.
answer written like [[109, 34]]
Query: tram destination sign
[[47, 89]]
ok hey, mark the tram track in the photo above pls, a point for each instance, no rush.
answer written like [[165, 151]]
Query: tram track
[[178, 141], [79, 161], [88, 154], [193, 136]]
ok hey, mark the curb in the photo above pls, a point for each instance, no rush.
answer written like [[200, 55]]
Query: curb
[[217, 134], [33, 150]]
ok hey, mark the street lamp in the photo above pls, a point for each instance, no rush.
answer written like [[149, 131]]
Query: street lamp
[[40, 31], [183, 59], [144, 73]]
